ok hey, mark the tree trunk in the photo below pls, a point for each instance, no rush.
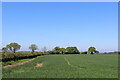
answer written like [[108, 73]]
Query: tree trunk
[[91, 52], [62, 52], [88, 52], [32, 50], [14, 50]]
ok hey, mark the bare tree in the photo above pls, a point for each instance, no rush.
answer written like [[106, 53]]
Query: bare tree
[[44, 49]]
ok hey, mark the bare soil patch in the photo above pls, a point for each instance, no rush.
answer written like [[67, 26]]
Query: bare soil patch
[[17, 64], [39, 65]]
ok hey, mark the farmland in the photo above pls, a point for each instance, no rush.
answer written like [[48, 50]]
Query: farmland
[[67, 66]]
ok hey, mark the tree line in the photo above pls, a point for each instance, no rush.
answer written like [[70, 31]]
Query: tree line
[[13, 47]]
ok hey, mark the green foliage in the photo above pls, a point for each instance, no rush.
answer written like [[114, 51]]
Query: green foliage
[[92, 50], [116, 52], [68, 50], [20, 55], [13, 47], [56, 50], [96, 51], [62, 50], [85, 52], [72, 50], [33, 47], [4, 49], [50, 52]]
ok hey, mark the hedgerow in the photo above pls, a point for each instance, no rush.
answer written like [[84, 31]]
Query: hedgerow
[[20, 55]]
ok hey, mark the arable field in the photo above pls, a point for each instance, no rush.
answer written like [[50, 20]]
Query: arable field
[[66, 66]]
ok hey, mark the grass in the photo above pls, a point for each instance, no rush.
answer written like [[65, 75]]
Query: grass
[[67, 66]]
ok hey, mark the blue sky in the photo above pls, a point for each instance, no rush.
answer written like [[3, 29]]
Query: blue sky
[[50, 24], [60, 0]]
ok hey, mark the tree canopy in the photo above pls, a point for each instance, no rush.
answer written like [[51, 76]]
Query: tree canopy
[[62, 50], [68, 50], [4, 49], [33, 47], [13, 47], [72, 50], [56, 50], [92, 50]]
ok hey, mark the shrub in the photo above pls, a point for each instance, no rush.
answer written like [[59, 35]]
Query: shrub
[[20, 55], [83, 52]]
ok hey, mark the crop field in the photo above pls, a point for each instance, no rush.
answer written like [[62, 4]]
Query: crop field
[[66, 66]]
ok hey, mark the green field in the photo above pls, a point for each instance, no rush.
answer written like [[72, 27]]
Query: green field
[[67, 66]]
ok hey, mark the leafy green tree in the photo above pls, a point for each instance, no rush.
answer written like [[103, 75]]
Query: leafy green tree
[[9, 47], [13, 47], [33, 47], [57, 49], [62, 50], [68, 50], [72, 50], [4, 49], [91, 50]]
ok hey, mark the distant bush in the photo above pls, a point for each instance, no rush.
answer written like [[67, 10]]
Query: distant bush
[[51, 52], [68, 50], [83, 52], [111, 52], [20, 55]]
